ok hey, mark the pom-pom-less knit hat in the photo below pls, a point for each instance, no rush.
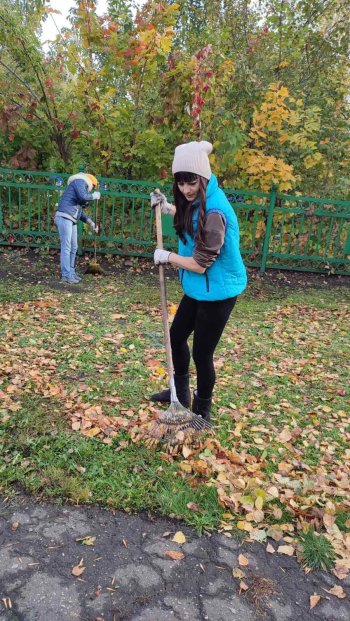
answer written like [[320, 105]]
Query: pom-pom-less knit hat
[[193, 157]]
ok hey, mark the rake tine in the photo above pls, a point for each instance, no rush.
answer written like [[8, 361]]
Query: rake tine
[[172, 423]]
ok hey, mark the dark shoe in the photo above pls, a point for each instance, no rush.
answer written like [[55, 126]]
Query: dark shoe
[[201, 407], [182, 385]]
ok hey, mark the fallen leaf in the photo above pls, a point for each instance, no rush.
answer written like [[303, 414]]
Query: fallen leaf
[[277, 513], [275, 533], [243, 586], [329, 521], [243, 525], [174, 555], [285, 435], [314, 599], [258, 534], [87, 541], [179, 537], [270, 549], [259, 503], [186, 451], [341, 572], [78, 569], [284, 467], [91, 433], [193, 507], [235, 458], [273, 491], [288, 550], [238, 573], [337, 590], [186, 467], [243, 561]]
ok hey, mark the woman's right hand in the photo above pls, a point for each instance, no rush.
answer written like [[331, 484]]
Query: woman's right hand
[[157, 198]]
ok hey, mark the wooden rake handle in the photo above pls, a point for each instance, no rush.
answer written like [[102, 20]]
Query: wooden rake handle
[[169, 358], [95, 240]]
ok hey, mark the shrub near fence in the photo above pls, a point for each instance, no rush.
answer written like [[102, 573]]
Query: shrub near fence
[[277, 230]]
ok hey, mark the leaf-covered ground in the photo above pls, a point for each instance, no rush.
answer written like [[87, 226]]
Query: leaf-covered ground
[[77, 364]]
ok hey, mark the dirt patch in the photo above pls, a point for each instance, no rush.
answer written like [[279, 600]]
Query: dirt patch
[[35, 267]]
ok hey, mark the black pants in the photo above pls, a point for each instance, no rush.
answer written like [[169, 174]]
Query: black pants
[[207, 321]]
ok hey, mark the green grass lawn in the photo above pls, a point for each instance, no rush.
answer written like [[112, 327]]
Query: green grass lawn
[[279, 463]]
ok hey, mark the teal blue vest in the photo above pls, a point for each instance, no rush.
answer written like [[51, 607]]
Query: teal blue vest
[[227, 276]]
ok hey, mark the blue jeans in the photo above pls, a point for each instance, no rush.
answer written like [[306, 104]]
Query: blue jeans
[[68, 233]]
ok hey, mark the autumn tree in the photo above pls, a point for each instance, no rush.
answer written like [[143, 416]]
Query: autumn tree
[[267, 83]]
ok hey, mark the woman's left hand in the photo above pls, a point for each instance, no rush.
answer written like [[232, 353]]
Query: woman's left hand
[[161, 256]]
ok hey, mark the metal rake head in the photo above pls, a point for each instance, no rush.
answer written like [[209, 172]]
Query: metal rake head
[[177, 425]]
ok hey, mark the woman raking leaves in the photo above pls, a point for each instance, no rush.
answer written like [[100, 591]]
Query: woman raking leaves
[[211, 271]]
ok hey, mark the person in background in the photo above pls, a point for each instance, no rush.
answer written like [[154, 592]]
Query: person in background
[[80, 192], [211, 270]]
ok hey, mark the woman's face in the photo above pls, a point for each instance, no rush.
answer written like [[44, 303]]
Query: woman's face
[[189, 189]]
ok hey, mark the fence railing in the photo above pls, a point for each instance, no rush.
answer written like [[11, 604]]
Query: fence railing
[[277, 230]]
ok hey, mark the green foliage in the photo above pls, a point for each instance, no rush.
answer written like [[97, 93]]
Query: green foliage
[[118, 92]]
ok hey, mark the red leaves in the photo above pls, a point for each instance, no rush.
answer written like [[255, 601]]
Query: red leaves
[[200, 83]]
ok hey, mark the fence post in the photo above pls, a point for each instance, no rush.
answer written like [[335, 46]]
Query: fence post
[[269, 221]]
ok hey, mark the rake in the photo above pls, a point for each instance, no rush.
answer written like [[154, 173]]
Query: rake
[[176, 425], [93, 266]]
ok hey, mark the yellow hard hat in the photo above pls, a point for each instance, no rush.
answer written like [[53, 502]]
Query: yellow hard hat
[[92, 179]]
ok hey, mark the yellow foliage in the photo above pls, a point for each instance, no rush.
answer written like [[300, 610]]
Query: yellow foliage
[[282, 139], [283, 92], [266, 170], [276, 123], [312, 160]]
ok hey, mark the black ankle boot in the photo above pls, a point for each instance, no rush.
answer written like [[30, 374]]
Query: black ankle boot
[[182, 385], [201, 407]]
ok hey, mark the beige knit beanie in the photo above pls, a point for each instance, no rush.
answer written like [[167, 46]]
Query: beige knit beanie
[[193, 157]]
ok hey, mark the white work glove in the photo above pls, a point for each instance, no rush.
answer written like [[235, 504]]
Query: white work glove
[[92, 225], [96, 196], [161, 256], [157, 198]]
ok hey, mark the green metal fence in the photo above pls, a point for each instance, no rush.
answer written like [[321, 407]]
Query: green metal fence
[[277, 230]]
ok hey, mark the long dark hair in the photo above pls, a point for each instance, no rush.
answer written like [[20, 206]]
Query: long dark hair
[[184, 210]]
